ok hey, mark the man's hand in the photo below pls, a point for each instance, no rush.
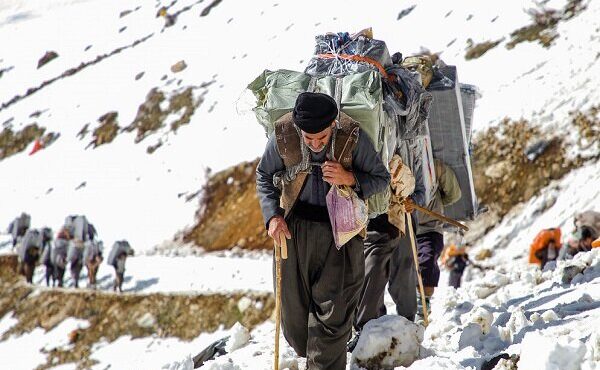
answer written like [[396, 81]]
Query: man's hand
[[335, 174], [409, 205], [277, 225]]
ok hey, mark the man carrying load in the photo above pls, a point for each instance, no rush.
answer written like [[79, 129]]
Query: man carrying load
[[313, 148]]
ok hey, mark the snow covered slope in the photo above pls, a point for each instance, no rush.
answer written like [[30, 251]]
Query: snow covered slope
[[131, 194]]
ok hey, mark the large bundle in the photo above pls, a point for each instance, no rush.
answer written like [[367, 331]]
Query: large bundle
[[78, 227], [118, 248], [333, 50], [32, 239], [91, 250], [75, 252], [58, 254], [20, 225], [450, 135], [352, 70], [361, 97]]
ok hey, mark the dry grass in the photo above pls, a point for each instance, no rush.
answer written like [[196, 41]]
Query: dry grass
[[474, 51], [229, 212]]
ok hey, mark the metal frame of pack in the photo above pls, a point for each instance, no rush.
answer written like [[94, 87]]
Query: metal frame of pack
[[449, 140], [469, 94]]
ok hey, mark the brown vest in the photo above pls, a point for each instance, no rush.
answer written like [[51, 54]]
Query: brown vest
[[289, 143]]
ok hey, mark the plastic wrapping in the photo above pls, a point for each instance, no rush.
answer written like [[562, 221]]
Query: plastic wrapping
[[348, 214], [412, 109], [343, 43], [361, 97], [447, 129]]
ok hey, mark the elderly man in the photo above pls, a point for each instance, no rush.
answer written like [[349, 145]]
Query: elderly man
[[309, 153]]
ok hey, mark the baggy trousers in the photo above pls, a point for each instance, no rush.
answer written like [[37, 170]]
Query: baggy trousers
[[378, 249], [387, 260], [320, 286], [403, 278], [430, 245]]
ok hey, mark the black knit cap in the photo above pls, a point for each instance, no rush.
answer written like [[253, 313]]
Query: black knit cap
[[314, 112]]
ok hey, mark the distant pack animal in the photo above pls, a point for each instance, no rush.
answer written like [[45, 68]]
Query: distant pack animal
[[79, 228], [29, 253], [92, 257], [75, 260], [46, 257], [19, 227], [58, 255], [116, 258]]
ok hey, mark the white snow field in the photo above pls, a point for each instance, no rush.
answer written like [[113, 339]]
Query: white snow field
[[512, 308]]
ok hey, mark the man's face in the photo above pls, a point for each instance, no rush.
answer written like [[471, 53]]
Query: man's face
[[317, 142]]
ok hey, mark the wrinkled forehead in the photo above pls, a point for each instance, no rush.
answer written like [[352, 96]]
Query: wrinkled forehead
[[319, 135]]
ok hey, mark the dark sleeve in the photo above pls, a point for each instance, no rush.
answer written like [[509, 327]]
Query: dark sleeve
[[369, 171], [268, 194]]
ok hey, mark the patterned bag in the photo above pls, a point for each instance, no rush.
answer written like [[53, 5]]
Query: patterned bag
[[348, 214]]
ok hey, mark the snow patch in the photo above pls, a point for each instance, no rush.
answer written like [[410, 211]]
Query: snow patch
[[388, 341], [238, 337], [539, 352]]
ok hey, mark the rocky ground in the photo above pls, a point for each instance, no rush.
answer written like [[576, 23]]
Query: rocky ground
[[111, 316]]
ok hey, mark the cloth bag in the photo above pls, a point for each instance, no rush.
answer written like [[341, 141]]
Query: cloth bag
[[348, 214], [402, 185]]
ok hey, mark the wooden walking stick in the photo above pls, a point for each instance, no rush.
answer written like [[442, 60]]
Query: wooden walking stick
[[280, 253], [440, 217], [416, 259]]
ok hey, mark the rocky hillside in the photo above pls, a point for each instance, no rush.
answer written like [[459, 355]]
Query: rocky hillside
[[512, 162], [111, 316]]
